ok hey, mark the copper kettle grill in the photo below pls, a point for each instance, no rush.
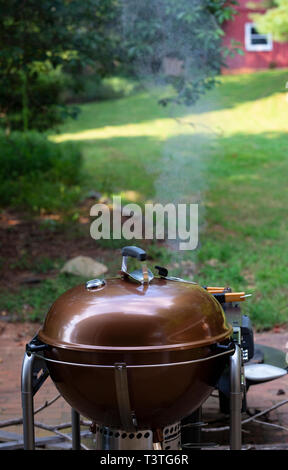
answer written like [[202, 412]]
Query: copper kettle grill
[[135, 352]]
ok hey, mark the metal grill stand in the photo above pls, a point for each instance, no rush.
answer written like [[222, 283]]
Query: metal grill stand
[[33, 375], [236, 379], [35, 372]]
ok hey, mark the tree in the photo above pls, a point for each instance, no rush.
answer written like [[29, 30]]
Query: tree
[[186, 33], [274, 21], [36, 39]]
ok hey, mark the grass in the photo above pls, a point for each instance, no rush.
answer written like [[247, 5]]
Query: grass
[[34, 302], [229, 154], [246, 202], [121, 142]]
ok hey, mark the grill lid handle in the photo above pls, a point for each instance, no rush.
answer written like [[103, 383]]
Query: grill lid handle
[[134, 252], [144, 275]]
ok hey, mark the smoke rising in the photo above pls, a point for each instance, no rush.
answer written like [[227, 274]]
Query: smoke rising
[[173, 59]]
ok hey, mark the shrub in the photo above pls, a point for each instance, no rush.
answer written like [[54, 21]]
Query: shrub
[[38, 174], [45, 107], [90, 87]]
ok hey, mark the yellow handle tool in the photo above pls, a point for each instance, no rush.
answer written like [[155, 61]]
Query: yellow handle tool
[[230, 296]]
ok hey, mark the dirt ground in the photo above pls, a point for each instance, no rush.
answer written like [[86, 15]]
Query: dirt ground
[[24, 240], [14, 336]]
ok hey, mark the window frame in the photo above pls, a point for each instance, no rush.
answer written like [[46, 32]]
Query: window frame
[[256, 47]]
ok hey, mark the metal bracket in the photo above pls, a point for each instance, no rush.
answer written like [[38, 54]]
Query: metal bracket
[[127, 416], [39, 375], [163, 273]]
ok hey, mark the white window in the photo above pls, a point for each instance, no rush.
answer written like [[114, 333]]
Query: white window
[[255, 41]]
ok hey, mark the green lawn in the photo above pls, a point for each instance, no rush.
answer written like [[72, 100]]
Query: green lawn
[[229, 153]]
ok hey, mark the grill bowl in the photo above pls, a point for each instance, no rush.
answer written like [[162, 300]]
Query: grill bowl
[[165, 336]]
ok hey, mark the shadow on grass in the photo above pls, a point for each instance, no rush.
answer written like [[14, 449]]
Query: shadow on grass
[[239, 89], [146, 168]]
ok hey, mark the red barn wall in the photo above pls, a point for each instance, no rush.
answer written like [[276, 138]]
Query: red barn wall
[[251, 60]]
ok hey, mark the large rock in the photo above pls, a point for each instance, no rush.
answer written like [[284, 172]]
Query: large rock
[[84, 266]]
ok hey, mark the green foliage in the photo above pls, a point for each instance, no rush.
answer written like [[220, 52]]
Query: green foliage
[[39, 37], [38, 174], [186, 33], [90, 87], [274, 21], [44, 106]]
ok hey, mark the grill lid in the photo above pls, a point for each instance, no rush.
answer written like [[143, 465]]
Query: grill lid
[[122, 315]]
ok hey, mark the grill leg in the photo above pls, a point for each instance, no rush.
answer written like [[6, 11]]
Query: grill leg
[[27, 402], [33, 375], [235, 400], [76, 438]]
